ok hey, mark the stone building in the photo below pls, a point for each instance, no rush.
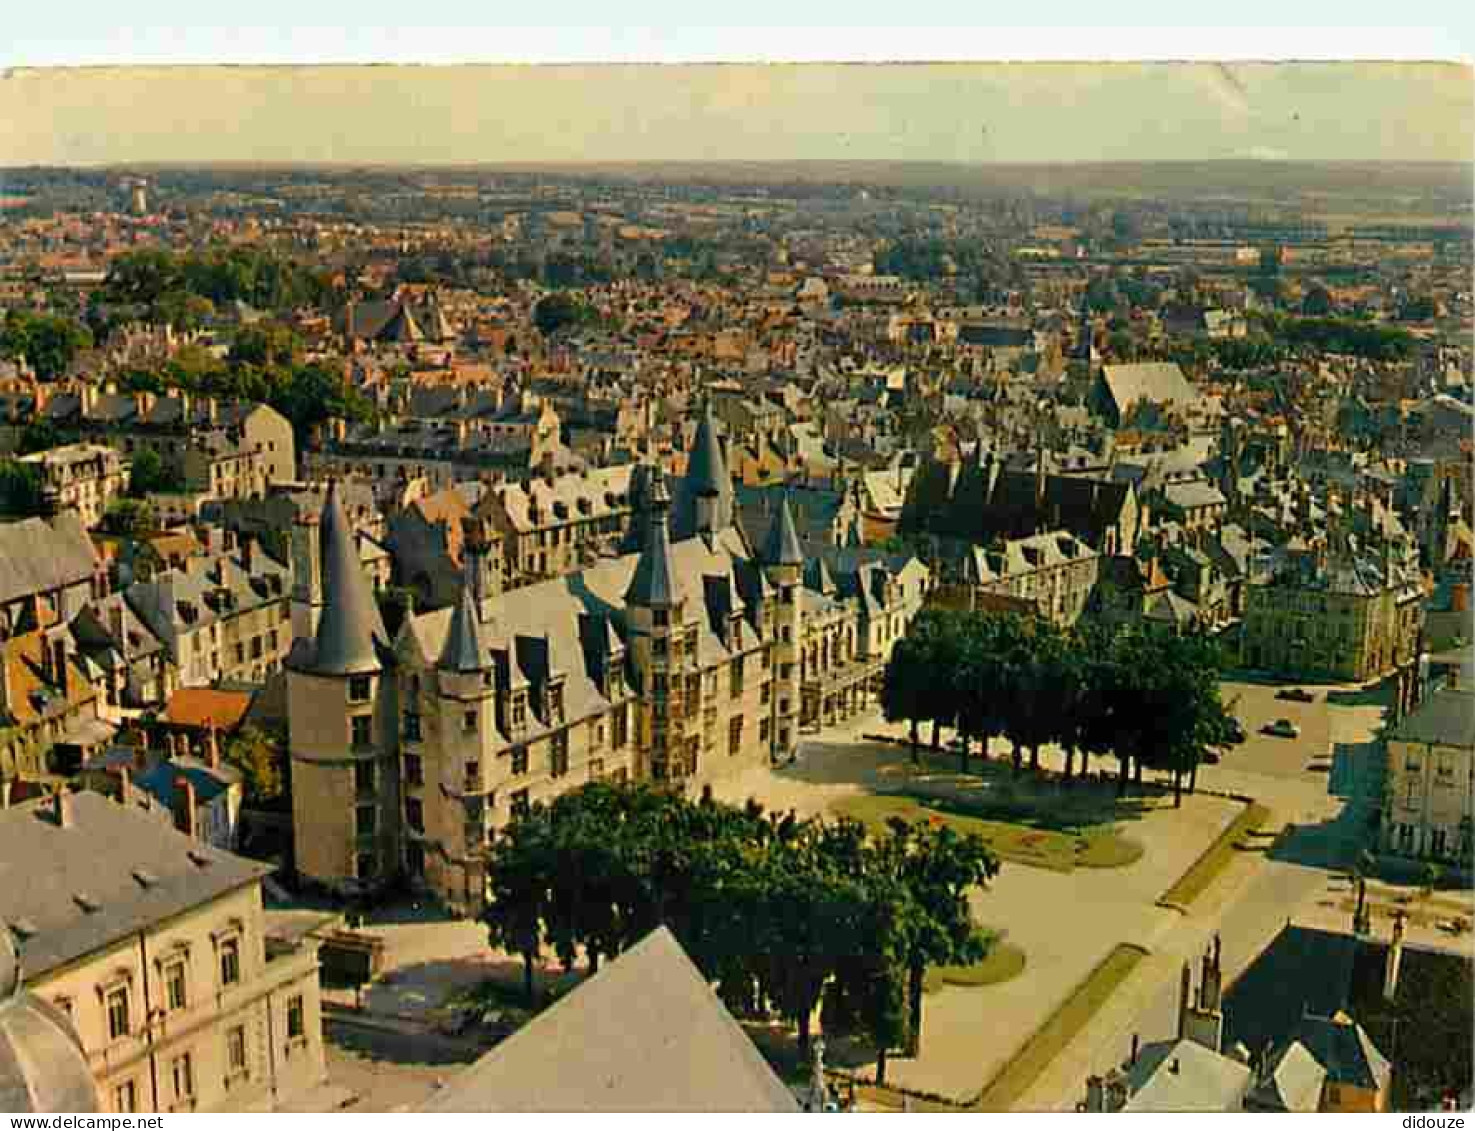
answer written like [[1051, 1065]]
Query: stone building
[[681, 663], [155, 948], [221, 617], [551, 526], [83, 477], [1053, 573], [1429, 795], [1334, 612]]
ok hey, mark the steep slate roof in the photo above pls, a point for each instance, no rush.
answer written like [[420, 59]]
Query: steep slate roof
[[100, 856], [1184, 1076], [781, 547], [654, 583], [706, 477], [466, 649], [37, 555], [1155, 382], [350, 623], [646, 1033]]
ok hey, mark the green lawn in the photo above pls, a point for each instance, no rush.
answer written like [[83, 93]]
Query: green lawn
[[1091, 846], [1240, 835], [1017, 1076], [1001, 963]]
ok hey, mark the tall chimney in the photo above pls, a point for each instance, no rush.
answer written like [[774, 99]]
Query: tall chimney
[[184, 805], [61, 808], [1184, 982], [212, 744], [1394, 960], [125, 786]]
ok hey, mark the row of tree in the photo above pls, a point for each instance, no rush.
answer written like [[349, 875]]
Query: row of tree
[[1147, 698], [782, 913]]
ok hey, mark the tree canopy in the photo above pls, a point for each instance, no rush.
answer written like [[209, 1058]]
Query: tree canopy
[[770, 906], [48, 341], [1148, 698]]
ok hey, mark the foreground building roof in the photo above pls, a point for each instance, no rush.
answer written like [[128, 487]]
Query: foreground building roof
[[646, 1033]]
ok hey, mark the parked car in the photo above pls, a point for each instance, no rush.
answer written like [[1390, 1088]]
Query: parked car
[[1284, 728], [1211, 758], [1296, 695], [1237, 732]]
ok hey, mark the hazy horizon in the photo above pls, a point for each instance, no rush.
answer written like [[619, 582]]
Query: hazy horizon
[[957, 114]]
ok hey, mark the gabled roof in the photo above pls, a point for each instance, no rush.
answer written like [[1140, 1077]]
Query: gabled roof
[[644, 1034]]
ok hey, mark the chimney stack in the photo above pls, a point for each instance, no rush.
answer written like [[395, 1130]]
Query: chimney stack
[[212, 744], [184, 806], [61, 808], [125, 786], [6, 786], [1184, 983], [1394, 960]]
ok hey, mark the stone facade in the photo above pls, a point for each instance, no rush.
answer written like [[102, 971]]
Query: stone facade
[[84, 477], [1331, 615], [189, 1009], [683, 663], [1429, 791]]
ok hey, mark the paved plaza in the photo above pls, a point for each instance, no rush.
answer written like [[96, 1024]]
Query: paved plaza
[[1065, 922]]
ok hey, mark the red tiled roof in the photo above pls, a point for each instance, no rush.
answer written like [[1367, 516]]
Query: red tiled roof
[[203, 706]]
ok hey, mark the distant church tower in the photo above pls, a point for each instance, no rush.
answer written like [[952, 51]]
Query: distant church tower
[[1083, 365]]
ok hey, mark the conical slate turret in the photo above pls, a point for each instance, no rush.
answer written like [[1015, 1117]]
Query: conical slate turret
[[654, 583], [781, 547], [350, 623]]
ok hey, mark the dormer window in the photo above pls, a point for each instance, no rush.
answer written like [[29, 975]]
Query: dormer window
[[519, 712], [555, 702]]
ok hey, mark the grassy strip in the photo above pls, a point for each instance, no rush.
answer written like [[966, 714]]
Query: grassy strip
[[1026, 1066], [1100, 846], [1000, 964], [1205, 870]]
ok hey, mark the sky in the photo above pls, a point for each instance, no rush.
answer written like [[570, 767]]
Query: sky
[[434, 114]]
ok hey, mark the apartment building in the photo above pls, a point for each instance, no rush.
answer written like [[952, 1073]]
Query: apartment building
[[155, 947], [1429, 791], [83, 477]]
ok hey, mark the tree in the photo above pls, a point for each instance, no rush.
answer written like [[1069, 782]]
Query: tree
[[260, 758], [517, 886], [130, 518], [1317, 301], [903, 687], [937, 869], [148, 475], [266, 345], [21, 494], [48, 341], [557, 311], [38, 436]]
